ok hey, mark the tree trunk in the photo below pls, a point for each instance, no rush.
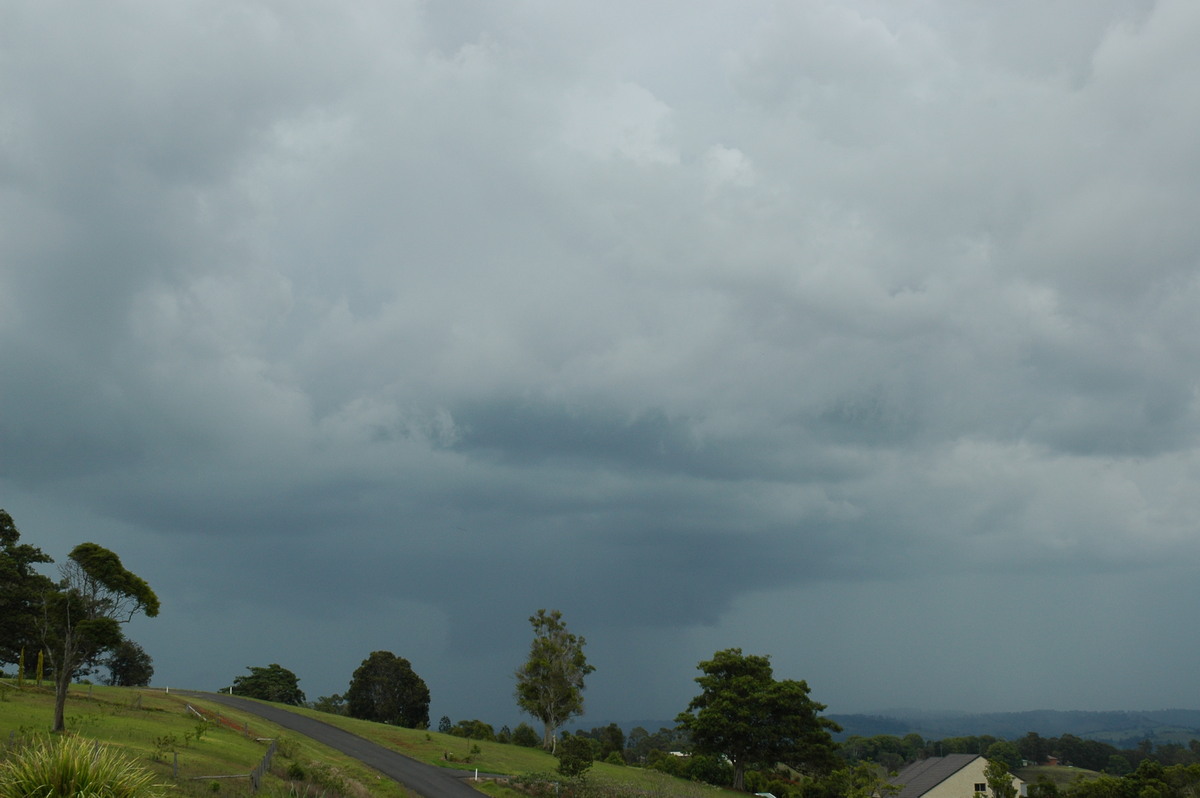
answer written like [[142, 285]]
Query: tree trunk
[[62, 682], [739, 776], [549, 741]]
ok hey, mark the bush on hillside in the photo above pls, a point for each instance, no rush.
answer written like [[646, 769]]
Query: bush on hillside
[[474, 730], [525, 736]]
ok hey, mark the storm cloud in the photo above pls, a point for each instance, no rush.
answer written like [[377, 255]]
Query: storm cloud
[[859, 334]]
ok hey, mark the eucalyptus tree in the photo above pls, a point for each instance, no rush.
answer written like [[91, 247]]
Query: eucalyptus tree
[[550, 684], [82, 615]]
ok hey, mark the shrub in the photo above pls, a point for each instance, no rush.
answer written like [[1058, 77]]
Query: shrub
[[574, 755], [164, 745], [474, 730], [71, 766], [525, 736], [329, 778], [286, 746]]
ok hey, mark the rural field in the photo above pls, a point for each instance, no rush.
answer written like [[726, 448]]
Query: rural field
[[189, 754]]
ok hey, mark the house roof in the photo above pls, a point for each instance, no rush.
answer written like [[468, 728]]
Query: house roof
[[922, 776]]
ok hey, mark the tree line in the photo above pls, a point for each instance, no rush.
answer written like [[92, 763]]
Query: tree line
[[384, 689], [748, 731], [894, 752]]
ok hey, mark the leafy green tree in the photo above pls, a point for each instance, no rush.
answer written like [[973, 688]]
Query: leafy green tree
[[1044, 787], [858, 781], [605, 739], [743, 713], [999, 779], [636, 744], [1109, 787], [22, 591], [1006, 752], [970, 744], [550, 683], [1172, 753], [1117, 765], [1033, 747], [667, 763], [641, 744], [82, 616], [129, 665], [385, 688], [708, 769], [272, 683], [525, 736], [611, 738], [445, 724], [574, 756], [474, 730], [887, 750]]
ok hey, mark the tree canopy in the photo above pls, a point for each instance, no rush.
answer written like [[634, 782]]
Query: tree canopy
[[24, 590], [82, 615], [550, 683], [574, 755], [999, 780], [129, 665], [385, 688], [743, 713], [272, 683]]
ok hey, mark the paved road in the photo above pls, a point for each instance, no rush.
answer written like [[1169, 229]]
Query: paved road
[[426, 780]]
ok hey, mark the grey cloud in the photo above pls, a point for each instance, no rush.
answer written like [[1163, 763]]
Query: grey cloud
[[405, 321]]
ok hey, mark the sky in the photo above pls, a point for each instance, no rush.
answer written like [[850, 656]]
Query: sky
[[859, 334]]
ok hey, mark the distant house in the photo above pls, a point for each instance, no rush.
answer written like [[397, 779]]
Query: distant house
[[951, 776]]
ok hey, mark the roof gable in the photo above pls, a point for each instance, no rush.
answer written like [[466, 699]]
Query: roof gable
[[922, 776]]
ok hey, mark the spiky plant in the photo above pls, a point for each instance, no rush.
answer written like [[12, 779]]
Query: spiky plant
[[72, 767]]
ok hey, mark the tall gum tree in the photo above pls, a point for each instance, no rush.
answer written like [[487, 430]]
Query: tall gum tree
[[82, 615], [550, 683]]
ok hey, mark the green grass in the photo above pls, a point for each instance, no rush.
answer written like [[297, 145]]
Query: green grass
[[445, 750], [1061, 775], [157, 731], [152, 728]]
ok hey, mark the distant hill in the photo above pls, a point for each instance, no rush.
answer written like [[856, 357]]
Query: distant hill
[[1122, 729]]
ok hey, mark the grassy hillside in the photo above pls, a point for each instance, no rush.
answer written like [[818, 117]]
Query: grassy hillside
[[193, 756], [160, 732], [1060, 775], [445, 750]]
